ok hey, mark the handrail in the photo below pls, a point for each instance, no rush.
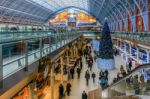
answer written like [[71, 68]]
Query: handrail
[[31, 37], [112, 32], [35, 53], [129, 32], [15, 32], [147, 65]]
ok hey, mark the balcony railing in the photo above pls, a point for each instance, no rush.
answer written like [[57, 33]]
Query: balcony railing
[[18, 50], [141, 37], [127, 86]]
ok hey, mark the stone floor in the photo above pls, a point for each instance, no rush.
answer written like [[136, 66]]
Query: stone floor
[[78, 85]]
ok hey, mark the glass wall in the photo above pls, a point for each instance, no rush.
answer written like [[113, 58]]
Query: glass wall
[[17, 54]]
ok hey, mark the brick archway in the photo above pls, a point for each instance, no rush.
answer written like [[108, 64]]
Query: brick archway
[[130, 27], [139, 22], [149, 15]]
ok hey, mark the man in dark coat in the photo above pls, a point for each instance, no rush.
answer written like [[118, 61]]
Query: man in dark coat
[[68, 88], [61, 91], [90, 64], [78, 72], [93, 76], [130, 64], [81, 65], [72, 72], [84, 95], [87, 77], [106, 74]]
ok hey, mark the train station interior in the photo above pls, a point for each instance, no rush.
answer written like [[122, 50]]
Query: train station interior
[[74, 49]]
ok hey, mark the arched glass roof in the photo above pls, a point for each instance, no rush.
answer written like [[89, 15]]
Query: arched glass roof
[[41, 10]]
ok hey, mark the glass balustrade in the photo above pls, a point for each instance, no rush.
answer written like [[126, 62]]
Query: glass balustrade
[[29, 47], [143, 37], [16, 46], [136, 83]]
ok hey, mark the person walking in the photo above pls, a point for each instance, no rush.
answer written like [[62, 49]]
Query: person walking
[[78, 72], [72, 72], [103, 82], [93, 76], [136, 84], [68, 88], [90, 65], [130, 65], [87, 77], [101, 73], [91, 58], [81, 65], [106, 74], [84, 95], [61, 91]]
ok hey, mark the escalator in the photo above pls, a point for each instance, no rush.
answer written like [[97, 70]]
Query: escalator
[[127, 87]]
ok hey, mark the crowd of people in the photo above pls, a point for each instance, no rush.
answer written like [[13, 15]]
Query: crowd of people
[[77, 68], [138, 83], [103, 78], [62, 92], [123, 72], [103, 75]]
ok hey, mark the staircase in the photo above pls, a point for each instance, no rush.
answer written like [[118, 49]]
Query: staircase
[[97, 94], [123, 97]]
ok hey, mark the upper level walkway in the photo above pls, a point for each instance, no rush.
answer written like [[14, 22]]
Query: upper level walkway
[[34, 47], [14, 62], [139, 37]]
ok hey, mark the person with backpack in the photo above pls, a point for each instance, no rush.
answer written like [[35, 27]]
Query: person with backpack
[[103, 82]]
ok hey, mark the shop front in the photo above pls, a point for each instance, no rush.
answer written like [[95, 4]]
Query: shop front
[[26, 92]]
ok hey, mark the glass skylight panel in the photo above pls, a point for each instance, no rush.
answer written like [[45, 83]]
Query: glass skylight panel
[[55, 5]]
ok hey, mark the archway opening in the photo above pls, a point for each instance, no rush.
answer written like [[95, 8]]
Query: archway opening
[[123, 26], [73, 18], [118, 26]]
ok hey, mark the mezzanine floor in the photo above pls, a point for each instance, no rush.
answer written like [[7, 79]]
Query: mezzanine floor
[[17, 62]]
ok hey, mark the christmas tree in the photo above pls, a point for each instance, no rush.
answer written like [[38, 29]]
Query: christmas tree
[[105, 58], [106, 46]]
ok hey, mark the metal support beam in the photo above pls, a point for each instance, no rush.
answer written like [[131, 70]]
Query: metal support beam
[[125, 7], [137, 6], [1, 66], [49, 44], [22, 12], [100, 8], [26, 55], [41, 48], [52, 80], [109, 8]]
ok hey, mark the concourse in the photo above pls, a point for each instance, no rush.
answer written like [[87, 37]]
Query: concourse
[[74, 49]]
